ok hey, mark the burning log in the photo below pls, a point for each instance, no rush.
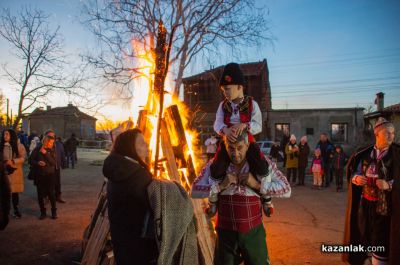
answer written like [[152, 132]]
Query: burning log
[[168, 152], [172, 129], [181, 148]]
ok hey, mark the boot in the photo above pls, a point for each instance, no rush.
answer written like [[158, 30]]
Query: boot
[[54, 213], [42, 214]]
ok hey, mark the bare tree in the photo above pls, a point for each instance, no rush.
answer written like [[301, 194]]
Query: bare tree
[[39, 49], [202, 27]]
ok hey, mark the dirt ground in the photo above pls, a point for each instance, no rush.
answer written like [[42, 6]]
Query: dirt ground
[[294, 234]]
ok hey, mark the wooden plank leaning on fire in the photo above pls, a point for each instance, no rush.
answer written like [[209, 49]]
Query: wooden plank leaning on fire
[[98, 241], [205, 233]]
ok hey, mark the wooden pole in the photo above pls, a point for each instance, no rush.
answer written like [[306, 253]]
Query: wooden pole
[[159, 79], [163, 50], [8, 118]]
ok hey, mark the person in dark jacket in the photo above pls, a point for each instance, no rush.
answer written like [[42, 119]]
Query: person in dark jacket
[[43, 161], [129, 209], [304, 151], [338, 163], [5, 196], [71, 146], [274, 153], [327, 150], [284, 142], [373, 209]]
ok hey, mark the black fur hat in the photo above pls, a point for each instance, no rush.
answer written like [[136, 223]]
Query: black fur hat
[[232, 75]]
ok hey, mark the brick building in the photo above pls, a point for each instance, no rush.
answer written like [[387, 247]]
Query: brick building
[[202, 94], [63, 120]]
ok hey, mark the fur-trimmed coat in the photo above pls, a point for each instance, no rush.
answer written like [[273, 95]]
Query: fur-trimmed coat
[[352, 234]]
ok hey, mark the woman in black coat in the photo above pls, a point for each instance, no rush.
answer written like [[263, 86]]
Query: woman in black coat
[[129, 210], [43, 162], [304, 151]]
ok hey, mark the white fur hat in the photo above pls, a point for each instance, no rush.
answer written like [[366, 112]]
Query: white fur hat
[[381, 123], [292, 137]]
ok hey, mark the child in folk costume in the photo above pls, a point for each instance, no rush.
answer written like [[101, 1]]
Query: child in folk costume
[[237, 113], [317, 168]]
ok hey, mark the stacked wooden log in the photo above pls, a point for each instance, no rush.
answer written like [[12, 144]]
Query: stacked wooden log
[[96, 244]]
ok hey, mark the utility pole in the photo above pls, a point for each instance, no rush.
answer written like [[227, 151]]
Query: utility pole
[[8, 119], [11, 119]]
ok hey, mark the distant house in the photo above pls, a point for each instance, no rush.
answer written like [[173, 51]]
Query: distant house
[[203, 95], [63, 120], [344, 126], [391, 113]]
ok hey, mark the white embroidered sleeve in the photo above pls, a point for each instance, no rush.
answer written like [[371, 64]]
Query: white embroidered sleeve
[[256, 119], [219, 120], [275, 183], [201, 185]]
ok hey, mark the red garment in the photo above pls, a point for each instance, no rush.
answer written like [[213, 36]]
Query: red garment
[[239, 213], [245, 109]]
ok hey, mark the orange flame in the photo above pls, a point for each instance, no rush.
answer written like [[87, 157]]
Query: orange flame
[[143, 98]]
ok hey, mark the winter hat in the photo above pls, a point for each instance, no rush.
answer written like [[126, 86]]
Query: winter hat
[[381, 123], [304, 138], [317, 151], [232, 75], [292, 137]]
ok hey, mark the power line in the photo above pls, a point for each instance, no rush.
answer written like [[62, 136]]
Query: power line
[[336, 61], [347, 54], [327, 93], [341, 88], [338, 82]]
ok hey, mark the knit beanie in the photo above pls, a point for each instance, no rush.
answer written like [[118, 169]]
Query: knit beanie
[[232, 75], [292, 137]]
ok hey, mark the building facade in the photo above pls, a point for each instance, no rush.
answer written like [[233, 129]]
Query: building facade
[[344, 126], [203, 95], [63, 120]]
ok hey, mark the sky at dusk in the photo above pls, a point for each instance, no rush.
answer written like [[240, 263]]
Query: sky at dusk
[[324, 53]]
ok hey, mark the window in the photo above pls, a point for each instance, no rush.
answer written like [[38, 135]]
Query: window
[[309, 131], [280, 129], [339, 132]]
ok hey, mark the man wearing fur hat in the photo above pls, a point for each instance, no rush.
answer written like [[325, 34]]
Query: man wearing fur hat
[[373, 211]]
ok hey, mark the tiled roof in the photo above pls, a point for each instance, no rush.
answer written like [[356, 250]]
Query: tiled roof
[[394, 108], [248, 69], [61, 111]]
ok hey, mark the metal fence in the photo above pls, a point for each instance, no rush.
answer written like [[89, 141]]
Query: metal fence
[[95, 144]]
